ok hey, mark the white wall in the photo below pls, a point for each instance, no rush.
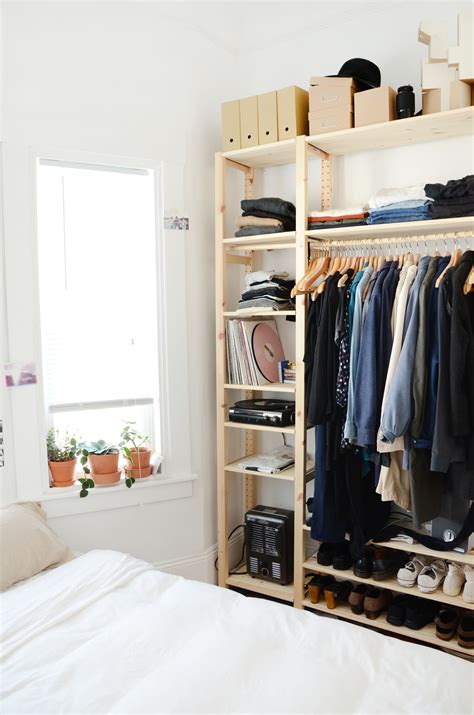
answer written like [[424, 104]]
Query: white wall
[[141, 80], [144, 79]]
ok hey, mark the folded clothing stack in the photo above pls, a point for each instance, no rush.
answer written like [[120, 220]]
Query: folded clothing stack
[[333, 218], [266, 291], [408, 203], [456, 198], [265, 215]]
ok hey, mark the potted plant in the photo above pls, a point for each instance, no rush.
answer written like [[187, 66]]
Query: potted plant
[[62, 453], [136, 450], [103, 460]]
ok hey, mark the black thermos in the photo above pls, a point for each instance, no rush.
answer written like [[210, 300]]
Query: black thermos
[[405, 102]]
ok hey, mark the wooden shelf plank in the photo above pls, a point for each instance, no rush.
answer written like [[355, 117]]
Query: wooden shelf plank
[[405, 228], [425, 635], [288, 474], [274, 154], [390, 583], [261, 242], [401, 132], [270, 387], [263, 314], [260, 428], [420, 549], [266, 588]]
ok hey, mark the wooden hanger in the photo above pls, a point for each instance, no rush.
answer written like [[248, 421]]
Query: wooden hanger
[[298, 286], [469, 284], [453, 262]]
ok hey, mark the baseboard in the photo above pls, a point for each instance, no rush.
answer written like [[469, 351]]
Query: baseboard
[[200, 567]]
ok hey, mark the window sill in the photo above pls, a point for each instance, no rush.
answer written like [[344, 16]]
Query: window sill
[[66, 501]]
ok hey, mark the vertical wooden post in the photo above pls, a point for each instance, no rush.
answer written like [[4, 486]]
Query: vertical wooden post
[[221, 295], [326, 183], [250, 436], [301, 258]]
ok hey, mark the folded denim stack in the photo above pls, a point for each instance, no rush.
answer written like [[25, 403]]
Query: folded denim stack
[[456, 198], [266, 291], [409, 203], [334, 218], [265, 215]]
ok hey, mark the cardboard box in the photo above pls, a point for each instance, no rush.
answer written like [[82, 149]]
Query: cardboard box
[[374, 106], [267, 118], [230, 118], [460, 94], [336, 81], [293, 104], [331, 96], [331, 120], [248, 122], [433, 100]]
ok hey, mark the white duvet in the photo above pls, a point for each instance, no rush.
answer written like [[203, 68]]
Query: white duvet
[[107, 633]]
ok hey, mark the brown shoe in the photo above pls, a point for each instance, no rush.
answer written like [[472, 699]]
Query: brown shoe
[[356, 598], [446, 623], [466, 631], [376, 601]]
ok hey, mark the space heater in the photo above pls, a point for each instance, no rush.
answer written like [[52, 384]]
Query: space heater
[[269, 539]]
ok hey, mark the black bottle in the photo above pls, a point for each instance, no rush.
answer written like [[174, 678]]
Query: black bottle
[[405, 102]]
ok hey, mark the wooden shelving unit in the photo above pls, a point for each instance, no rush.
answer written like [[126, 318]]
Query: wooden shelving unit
[[390, 583], [424, 635], [243, 252]]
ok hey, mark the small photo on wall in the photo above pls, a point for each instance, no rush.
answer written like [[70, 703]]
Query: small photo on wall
[[176, 223], [18, 374]]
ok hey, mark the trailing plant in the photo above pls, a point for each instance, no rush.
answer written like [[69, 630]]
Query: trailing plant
[[100, 447], [61, 448], [131, 436], [86, 481]]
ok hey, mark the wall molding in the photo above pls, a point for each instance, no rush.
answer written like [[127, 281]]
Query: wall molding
[[200, 567]]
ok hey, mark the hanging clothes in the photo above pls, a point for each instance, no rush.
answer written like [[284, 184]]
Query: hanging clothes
[[392, 396]]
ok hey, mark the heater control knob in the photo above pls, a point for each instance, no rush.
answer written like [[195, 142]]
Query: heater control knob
[[264, 571]]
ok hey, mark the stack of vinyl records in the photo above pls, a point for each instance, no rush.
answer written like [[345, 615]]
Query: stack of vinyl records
[[253, 352]]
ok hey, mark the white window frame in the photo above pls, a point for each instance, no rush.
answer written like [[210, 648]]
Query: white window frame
[[29, 410]]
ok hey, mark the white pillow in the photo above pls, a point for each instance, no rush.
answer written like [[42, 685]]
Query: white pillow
[[27, 544]]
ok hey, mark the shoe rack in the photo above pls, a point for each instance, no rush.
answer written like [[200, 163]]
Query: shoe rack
[[244, 253]]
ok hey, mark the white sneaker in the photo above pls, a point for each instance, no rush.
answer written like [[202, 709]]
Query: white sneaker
[[432, 576], [454, 581], [408, 574], [468, 593]]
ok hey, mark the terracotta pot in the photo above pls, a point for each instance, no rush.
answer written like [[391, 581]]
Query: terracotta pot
[[63, 472], [140, 458], [103, 463], [102, 480], [140, 473]]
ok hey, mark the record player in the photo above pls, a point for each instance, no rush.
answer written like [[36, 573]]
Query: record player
[[276, 413]]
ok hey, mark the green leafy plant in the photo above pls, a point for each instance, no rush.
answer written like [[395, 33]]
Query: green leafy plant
[[131, 439], [61, 447]]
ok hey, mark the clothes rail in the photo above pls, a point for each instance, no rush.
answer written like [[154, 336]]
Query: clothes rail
[[396, 242]]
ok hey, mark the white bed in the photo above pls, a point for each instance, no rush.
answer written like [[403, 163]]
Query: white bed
[[107, 633]]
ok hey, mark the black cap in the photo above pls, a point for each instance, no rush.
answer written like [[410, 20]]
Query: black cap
[[364, 72]]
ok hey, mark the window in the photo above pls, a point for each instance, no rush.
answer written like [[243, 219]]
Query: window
[[98, 298]]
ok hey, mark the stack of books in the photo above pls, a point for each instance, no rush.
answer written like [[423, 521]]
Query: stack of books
[[287, 371]]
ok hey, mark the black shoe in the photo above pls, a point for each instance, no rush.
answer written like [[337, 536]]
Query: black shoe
[[325, 554], [388, 564], [419, 614], [342, 559], [397, 610], [364, 565]]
